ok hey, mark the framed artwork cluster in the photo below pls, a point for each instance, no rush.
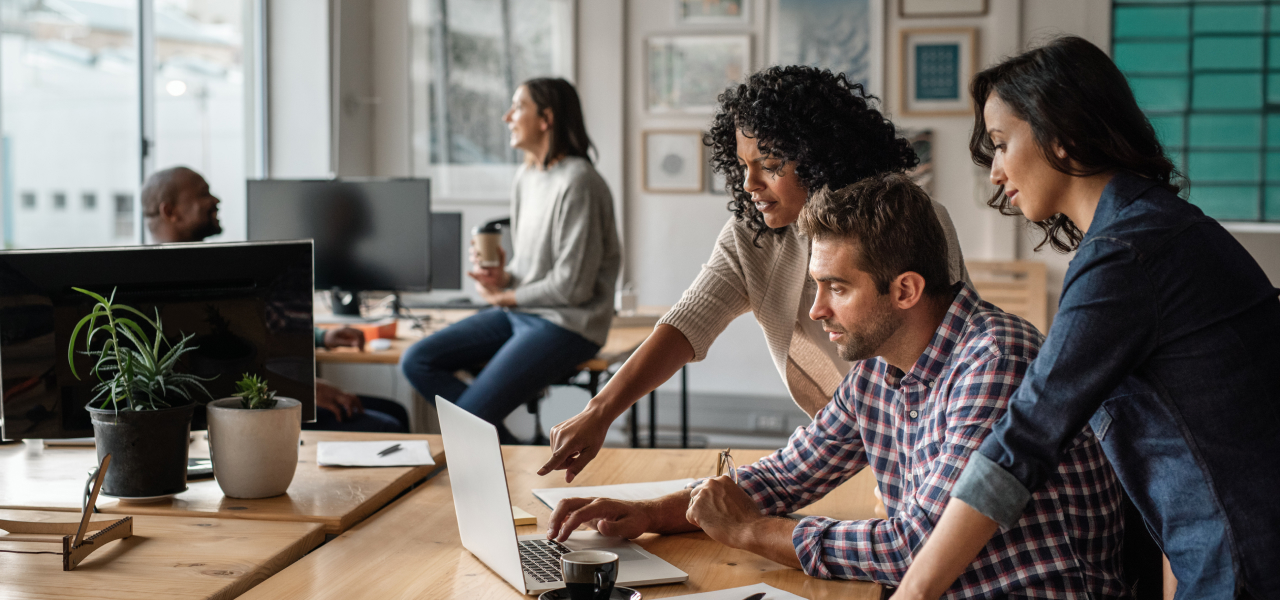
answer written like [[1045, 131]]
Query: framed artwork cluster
[[674, 161]]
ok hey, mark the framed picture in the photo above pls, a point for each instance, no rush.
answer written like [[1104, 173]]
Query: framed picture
[[922, 142], [712, 12], [673, 161], [687, 72], [941, 8], [937, 65], [846, 36]]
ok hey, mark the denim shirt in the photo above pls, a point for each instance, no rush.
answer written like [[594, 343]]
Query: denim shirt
[[1167, 341]]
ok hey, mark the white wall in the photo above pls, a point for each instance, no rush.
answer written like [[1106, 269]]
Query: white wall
[[298, 90]]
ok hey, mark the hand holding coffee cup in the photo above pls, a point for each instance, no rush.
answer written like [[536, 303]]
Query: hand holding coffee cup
[[589, 574]]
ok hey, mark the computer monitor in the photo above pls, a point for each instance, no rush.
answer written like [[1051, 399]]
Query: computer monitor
[[248, 305], [446, 251], [369, 234]]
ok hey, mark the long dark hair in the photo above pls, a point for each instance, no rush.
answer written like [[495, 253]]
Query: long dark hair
[[568, 128], [1072, 95], [825, 124]]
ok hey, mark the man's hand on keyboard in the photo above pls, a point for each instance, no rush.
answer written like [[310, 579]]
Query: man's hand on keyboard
[[609, 517]]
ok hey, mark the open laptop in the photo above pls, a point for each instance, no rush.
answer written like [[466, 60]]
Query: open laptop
[[529, 563]]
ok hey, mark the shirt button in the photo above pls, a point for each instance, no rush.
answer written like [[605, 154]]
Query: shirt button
[[914, 414]]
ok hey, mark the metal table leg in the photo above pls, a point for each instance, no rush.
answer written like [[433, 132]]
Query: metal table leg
[[653, 419], [684, 407]]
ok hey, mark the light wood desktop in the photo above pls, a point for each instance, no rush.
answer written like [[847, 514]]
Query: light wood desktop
[[412, 549], [167, 558], [336, 498]]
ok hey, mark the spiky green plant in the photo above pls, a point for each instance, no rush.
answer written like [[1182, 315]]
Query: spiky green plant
[[253, 393], [139, 374]]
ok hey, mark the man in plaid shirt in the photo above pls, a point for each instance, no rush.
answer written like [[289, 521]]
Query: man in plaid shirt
[[936, 368]]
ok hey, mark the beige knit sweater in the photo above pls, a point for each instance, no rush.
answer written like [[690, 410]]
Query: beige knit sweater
[[772, 282]]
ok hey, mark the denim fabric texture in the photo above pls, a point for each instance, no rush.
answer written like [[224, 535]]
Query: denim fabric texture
[[514, 357], [1167, 337]]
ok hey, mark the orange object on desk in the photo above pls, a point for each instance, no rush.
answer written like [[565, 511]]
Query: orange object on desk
[[385, 328]]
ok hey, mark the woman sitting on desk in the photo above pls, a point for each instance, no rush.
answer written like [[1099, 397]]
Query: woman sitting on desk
[[554, 302]]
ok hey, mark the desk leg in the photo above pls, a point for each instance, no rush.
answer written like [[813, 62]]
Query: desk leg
[[684, 407], [653, 419], [635, 426]]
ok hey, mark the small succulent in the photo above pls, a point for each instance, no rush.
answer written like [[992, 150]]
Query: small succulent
[[253, 393]]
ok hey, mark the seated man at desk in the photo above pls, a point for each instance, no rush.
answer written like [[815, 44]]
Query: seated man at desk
[[180, 208], [936, 367]]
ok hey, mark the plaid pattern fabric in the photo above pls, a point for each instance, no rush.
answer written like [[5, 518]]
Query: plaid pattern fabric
[[916, 431]]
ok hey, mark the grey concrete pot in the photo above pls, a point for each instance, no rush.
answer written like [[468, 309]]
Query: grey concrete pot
[[254, 451]]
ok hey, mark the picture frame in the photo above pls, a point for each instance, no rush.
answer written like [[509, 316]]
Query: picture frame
[[922, 144], [846, 36], [937, 65], [686, 73], [712, 12], [910, 9], [673, 161]]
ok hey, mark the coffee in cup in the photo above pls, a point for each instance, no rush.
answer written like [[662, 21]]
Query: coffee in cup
[[487, 239], [589, 574]]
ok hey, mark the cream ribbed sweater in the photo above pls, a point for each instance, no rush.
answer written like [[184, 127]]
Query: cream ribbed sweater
[[771, 281]]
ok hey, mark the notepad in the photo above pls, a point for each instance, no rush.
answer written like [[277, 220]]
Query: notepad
[[622, 491], [412, 453], [770, 593]]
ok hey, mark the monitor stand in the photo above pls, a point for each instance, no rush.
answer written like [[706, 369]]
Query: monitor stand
[[351, 308]]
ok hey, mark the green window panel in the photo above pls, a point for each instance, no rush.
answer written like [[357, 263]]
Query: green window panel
[[1153, 57], [1171, 130], [1273, 167], [1223, 166], [1225, 131], [1273, 45], [1227, 91], [1273, 131], [1273, 88], [1229, 19], [1178, 158], [1274, 25], [1160, 93], [1153, 21], [1227, 53], [1271, 210], [1227, 203]]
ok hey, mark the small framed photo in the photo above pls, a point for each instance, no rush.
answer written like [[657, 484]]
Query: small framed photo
[[673, 161], [941, 8], [687, 72], [712, 12], [937, 65]]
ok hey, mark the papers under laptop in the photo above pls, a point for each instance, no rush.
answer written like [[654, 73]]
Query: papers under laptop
[[483, 505]]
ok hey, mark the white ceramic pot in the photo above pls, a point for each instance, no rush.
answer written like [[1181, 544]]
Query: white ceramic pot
[[254, 451]]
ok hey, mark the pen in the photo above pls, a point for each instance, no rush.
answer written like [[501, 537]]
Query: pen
[[389, 450]]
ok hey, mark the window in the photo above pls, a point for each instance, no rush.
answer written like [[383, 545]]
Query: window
[[123, 226], [1208, 76], [89, 200], [59, 201], [28, 200]]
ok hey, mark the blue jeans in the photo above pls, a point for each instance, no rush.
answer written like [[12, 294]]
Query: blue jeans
[[514, 356]]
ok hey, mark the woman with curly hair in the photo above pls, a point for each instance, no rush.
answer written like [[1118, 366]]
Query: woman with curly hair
[[784, 134]]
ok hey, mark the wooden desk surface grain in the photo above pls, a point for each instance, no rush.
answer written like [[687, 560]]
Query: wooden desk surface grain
[[412, 548], [168, 558], [337, 498]]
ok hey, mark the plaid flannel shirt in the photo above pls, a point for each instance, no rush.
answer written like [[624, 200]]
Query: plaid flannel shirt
[[916, 431]]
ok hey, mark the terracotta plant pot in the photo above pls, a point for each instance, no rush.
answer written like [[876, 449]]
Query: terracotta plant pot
[[254, 451]]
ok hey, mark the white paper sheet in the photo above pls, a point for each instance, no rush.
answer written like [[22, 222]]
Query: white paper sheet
[[770, 593], [623, 491], [365, 454]]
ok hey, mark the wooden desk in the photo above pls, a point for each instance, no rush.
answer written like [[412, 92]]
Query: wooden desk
[[337, 498], [412, 549], [167, 558]]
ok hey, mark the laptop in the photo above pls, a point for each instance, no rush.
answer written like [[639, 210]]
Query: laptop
[[529, 563]]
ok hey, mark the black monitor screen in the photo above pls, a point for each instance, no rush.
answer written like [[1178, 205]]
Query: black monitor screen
[[248, 306], [446, 251], [369, 235]]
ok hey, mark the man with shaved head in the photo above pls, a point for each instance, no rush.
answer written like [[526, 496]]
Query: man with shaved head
[[179, 207]]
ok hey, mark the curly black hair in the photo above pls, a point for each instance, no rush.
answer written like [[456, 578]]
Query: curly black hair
[[828, 126]]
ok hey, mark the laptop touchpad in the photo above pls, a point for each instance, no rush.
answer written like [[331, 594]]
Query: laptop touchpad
[[626, 554]]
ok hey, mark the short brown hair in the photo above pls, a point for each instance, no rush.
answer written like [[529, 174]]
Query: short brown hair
[[894, 224]]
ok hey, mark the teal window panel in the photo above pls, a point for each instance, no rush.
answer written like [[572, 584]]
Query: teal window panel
[[1151, 21], [1227, 203], [1224, 131], [1223, 166], [1171, 130], [1228, 53], [1274, 25], [1153, 57], [1273, 47], [1273, 88], [1229, 19], [1178, 158], [1271, 208], [1160, 93], [1227, 91], [1273, 167], [1273, 131]]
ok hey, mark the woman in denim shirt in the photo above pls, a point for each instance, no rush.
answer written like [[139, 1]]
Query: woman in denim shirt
[[1167, 338]]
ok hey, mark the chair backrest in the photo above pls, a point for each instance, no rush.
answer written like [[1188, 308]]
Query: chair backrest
[[1018, 286]]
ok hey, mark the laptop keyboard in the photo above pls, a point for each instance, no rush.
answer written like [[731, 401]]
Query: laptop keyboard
[[541, 559]]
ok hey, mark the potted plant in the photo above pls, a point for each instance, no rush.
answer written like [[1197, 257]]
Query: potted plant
[[141, 413], [253, 440]]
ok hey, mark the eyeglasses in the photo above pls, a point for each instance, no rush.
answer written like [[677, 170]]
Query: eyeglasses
[[725, 465]]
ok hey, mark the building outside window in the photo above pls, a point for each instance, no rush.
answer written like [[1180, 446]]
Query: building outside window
[[28, 200], [59, 201], [89, 200], [123, 224], [1208, 76]]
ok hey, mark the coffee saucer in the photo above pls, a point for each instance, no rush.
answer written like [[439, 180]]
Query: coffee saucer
[[619, 593]]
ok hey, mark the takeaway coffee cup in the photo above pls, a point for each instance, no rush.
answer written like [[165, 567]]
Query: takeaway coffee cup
[[488, 242], [589, 574]]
